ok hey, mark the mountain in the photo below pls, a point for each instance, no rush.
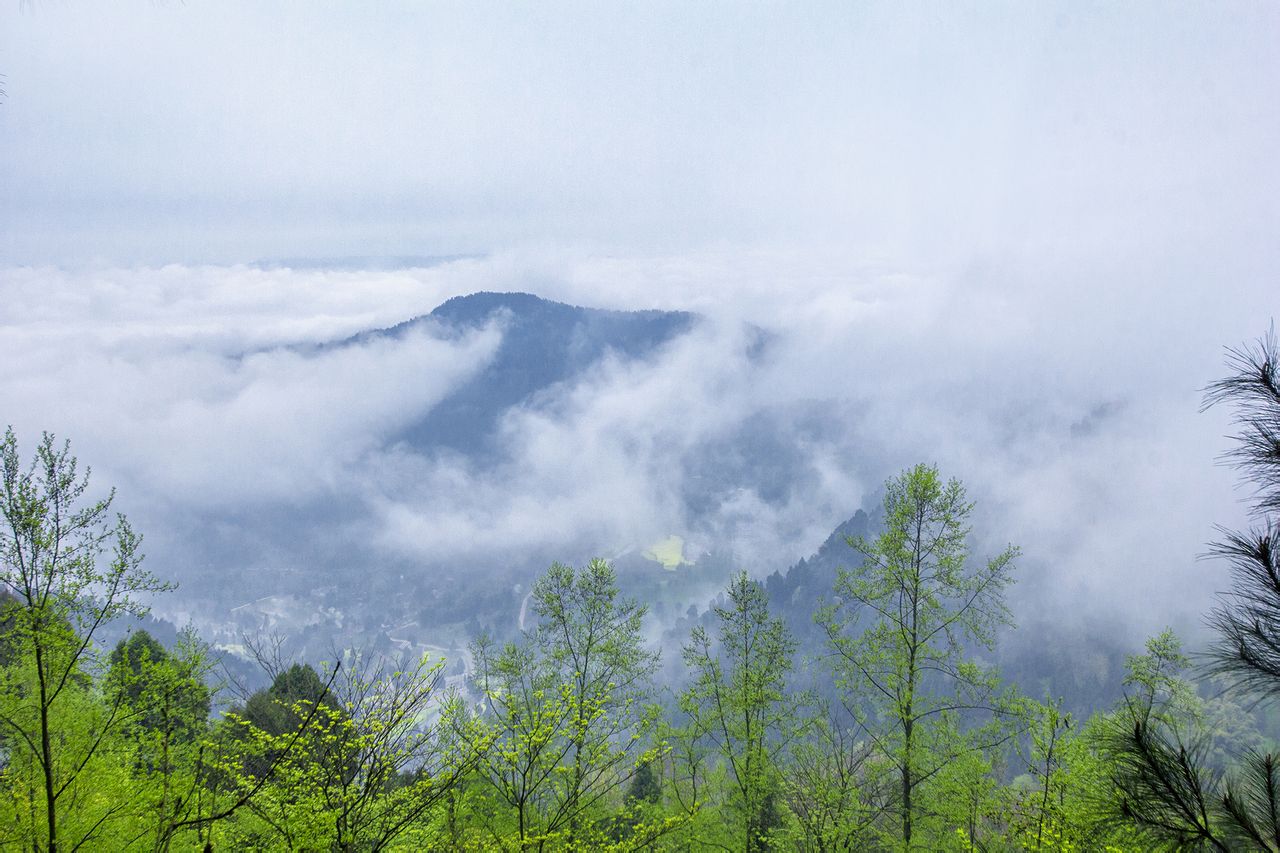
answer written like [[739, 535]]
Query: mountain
[[318, 569], [795, 595], [544, 345]]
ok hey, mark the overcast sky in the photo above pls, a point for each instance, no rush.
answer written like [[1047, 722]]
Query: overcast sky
[[160, 132], [1008, 238]]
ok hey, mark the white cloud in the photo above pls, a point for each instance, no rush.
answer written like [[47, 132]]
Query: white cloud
[[1088, 452], [188, 383], [1071, 414]]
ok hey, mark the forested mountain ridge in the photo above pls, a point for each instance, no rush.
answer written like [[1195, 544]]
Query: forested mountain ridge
[[544, 344], [795, 594], [286, 560]]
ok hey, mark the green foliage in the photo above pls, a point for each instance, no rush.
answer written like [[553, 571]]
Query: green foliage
[[740, 711], [88, 762], [1042, 806], [352, 766], [835, 789], [899, 634], [646, 786], [68, 569], [166, 693], [168, 715], [1156, 682], [561, 746], [1169, 778], [1063, 801], [565, 725], [1159, 746], [282, 706]]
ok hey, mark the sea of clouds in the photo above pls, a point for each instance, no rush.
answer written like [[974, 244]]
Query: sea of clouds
[[1069, 407]]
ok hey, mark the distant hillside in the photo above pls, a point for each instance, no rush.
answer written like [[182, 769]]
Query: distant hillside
[[1077, 656], [795, 594], [544, 344]]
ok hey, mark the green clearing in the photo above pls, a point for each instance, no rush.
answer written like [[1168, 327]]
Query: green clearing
[[669, 552]]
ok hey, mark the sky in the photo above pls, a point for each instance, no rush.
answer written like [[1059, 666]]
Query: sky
[[1009, 238]]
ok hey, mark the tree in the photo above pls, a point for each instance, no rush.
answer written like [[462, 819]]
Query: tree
[[1042, 808], [356, 765], [1171, 789], [594, 638], [901, 629], [168, 704], [738, 704], [99, 753], [565, 721], [275, 709], [646, 786], [70, 569], [1157, 749], [166, 691], [1248, 618], [833, 789]]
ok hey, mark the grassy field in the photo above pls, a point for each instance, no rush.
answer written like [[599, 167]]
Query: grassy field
[[669, 552]]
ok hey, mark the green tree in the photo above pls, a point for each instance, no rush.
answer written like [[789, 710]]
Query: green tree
[[295, 695], [1248, 619], [1066, 799], [594, 638], [1163, 764], [166, 691], [834, 789], [234, 767], [98, 806], [739, 706], [274, 710], [646, 785], [359, 764], [900, 633], [69, 569], [1043, 806], [565, 722], [969, 809], [168, 704], [1157, 751]]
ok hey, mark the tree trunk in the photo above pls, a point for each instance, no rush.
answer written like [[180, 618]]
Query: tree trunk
[[46, 753], [907, 784]]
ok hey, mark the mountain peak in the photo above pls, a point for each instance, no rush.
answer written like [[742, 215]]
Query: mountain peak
[[478, 306], [544, 344]]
